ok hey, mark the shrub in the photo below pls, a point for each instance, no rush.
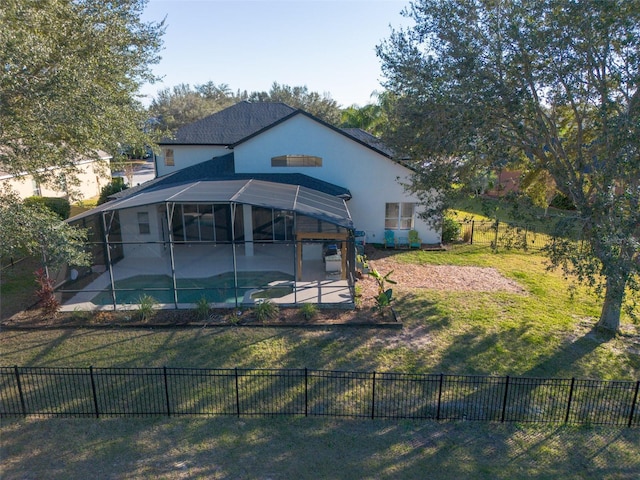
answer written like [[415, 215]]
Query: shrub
[[146, 307], [450, 230], [202, 308], [357, 295], [81, 315], [58, 205], [235, 317], [309, 311], [266, 310], [45, 292], [116, 185]]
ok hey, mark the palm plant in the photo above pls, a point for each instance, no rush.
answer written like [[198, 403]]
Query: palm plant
[[384, 296]]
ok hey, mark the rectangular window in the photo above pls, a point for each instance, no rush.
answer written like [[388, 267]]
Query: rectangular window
[[168, 157], [143, 223], [262, 223], [296, 161], [37, 192], [191, 217], [399, 216]]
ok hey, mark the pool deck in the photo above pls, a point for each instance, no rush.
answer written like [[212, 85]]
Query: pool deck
[[203, 261]]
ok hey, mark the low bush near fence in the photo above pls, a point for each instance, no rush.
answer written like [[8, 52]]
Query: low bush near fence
[[97, 392]]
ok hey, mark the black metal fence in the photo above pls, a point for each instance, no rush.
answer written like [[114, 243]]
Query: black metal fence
[[101, 392], [498, 234]]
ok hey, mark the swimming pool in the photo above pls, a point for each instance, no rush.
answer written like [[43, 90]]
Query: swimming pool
[[216, 289]]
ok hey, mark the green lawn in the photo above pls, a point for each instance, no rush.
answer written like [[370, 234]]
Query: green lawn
[[545, 332], [17, 285], [305, 448]]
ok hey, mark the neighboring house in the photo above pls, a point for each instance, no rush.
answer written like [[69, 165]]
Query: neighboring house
[[92, 175], [260, 187]]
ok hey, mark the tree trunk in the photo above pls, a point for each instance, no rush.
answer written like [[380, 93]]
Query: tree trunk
[[614, 294]]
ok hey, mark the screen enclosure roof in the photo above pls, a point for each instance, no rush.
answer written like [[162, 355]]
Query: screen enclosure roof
[[279, 196]]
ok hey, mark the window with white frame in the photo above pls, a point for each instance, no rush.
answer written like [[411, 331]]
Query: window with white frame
[[168, 157], [399, 216], [143, 223]]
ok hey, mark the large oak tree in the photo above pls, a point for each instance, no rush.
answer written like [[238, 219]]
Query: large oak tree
[[548, 85], [70, 71]]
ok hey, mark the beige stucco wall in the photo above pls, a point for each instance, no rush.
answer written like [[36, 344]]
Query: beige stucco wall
[[131, 233], [92, 176]]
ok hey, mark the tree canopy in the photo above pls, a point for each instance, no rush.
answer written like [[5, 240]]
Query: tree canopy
[[183, 104], [180, 105], [544, 85], [35, 230], [71, 70], [321, 106]]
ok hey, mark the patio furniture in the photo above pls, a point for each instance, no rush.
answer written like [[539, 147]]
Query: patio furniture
[[403, 242], [333, 263], [389, 239], [414, 240]]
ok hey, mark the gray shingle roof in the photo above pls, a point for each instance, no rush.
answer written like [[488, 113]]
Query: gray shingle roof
[[231, 125], [222, 168], [370, 140], [244, 120]]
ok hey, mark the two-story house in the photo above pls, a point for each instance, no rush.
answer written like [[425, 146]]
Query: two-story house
[[257, 187]]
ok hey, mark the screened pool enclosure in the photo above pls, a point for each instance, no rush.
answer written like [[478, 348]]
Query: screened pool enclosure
[[232, 243]]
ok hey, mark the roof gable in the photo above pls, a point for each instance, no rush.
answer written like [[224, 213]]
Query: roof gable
[[245, 120], [354, 134], [230, 125]]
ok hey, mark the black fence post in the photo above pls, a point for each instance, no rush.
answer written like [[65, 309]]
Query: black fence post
[[166, 390], [633, 404], [94, 391], [373, 396], [473, 224], [22, 402], [566, 417], [306, 392], [504, 400], [237, 393], [439, 397]]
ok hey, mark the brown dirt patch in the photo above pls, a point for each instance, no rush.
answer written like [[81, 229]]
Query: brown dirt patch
[[443, 277]]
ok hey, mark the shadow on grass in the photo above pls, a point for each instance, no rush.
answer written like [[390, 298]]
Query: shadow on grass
[[280, 448], [562, 363], [506, 353], [417, 309]]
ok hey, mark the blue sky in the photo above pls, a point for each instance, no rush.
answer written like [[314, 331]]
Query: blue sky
[[327, 45]]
